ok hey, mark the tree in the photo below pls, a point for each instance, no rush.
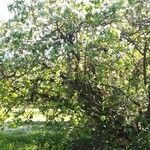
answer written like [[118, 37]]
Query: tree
[[79, 57]]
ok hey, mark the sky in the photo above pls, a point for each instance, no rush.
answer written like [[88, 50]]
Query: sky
[[4, 13]]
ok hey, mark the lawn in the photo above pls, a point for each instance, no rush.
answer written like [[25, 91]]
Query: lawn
[[34, 136]]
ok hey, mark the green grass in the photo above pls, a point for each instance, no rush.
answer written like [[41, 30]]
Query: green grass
[[39, 138]]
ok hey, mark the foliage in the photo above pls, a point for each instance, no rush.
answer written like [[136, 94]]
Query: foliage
[[89, 60]]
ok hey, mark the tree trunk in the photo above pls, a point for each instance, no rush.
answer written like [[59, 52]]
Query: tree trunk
[[145, 79]]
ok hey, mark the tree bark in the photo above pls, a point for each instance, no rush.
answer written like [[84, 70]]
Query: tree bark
[[145, 65], [145, 79]]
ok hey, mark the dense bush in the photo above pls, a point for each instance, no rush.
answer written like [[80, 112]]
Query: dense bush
[[82, 62]]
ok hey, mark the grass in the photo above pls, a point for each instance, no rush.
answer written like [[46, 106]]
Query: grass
[[40, 137]]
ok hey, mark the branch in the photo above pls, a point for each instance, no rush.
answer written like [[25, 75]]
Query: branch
[[130, 40]]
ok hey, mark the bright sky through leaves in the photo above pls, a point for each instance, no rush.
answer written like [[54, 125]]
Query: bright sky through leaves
[[4, 13]]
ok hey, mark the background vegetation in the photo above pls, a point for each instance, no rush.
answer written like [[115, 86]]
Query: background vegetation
[[85, 65]]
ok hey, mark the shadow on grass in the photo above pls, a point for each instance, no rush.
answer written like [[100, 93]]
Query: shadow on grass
[[42, 139]]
